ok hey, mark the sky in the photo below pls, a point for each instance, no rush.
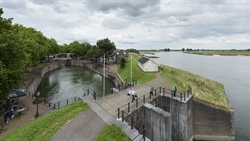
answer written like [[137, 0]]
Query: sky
[[138, 24]]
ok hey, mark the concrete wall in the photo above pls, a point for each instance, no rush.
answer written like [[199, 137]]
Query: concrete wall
[[210, 121], [190, 120], [157, 123]]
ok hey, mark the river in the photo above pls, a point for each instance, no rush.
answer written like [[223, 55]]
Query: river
[[232, 71], [69, 82]]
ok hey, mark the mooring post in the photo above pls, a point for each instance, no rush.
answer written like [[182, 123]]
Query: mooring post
[[58, 105], [143, 98], [88, 91], [163, 91], [155, 92], [128, 107], [172, 93], [75, 98], [49, 104], [67, 101], [54, 106], [149, 96], [184, 97], [181, 96], [160, 90]]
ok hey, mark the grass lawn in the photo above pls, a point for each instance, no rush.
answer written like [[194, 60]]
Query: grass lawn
[[43, 128], [137, 73], [204, 89], [226, 52], [112, 133]]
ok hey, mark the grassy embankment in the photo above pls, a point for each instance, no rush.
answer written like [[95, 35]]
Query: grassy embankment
[[43, 128], [112, 133], [204, 90], [226, 53], [138, 75]]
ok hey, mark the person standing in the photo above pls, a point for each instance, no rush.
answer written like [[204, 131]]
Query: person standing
[[133, 95], [174, 89], [151, 91]]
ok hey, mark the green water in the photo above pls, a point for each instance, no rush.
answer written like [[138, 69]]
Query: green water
[[69, 82]]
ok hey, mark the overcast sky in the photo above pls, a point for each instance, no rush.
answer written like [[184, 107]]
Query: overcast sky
[[139, 24]]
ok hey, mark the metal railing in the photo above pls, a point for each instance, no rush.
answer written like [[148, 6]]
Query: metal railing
[[62, 103], [90, 93]]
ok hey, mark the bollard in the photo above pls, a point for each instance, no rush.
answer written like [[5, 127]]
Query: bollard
[[58, 105], [160, 89], [49, 104], [143, 98], [132, 124], [172, 93], [75, 98], [155, 92], [88, 91], [163, 91], [67, 101], [44, 101], [184, 97], [118, 113], [149, 96], [136, 103], [128, 107], [54, 106], [122, 116], [181, 96]]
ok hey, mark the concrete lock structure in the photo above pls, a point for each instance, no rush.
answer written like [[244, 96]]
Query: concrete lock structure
[[172, 119]]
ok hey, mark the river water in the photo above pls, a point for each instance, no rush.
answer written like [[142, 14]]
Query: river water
[[232, 71], [69, 82]]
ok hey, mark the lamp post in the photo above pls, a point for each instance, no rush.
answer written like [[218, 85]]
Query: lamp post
[[37, 95], [131, 71]]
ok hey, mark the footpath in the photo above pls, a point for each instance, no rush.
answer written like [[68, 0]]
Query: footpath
[[88, 124]]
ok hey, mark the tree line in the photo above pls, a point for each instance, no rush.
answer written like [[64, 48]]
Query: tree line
[[22, 47]]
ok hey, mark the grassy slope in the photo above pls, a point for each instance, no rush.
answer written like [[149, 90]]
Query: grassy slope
[[112, 133], [138, 74], [204, 89], [42, 129]]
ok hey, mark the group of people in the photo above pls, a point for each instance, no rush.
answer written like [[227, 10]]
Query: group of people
[[132, 93]]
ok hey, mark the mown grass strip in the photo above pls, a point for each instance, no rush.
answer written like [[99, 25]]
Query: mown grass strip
[[43, 128], [112, 133], [205, 90], [137, 74]]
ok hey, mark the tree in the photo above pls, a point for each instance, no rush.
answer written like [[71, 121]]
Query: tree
[[123, 62], [106, 47], [183, 49], [14, 61]]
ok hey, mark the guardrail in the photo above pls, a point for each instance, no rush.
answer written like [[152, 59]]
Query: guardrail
[[90, 93], [60, 104]]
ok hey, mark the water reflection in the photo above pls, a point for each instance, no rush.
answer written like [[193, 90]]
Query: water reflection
[[68, 82]]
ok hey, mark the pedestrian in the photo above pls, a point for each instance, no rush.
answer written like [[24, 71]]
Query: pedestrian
[[174, 89], [151, 91], [129, 93], [133, 95]]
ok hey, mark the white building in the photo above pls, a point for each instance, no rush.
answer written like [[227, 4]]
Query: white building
[[147, 65]]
